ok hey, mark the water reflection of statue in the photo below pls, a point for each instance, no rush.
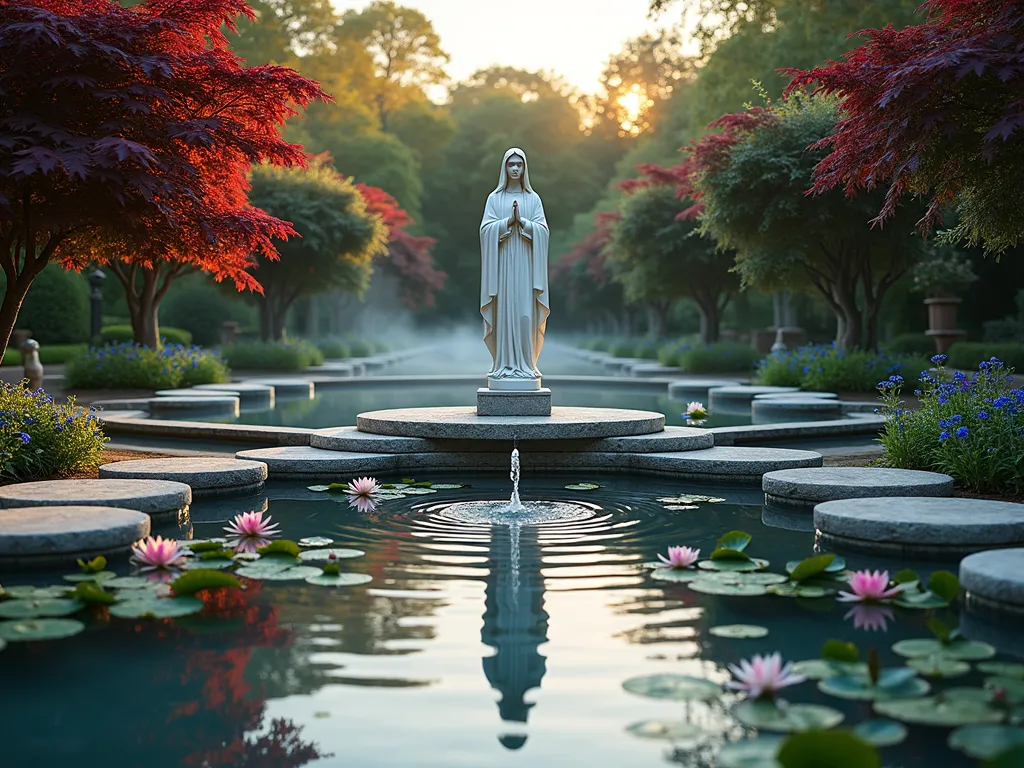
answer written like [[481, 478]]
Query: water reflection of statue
[[514, 297], [515, 623]]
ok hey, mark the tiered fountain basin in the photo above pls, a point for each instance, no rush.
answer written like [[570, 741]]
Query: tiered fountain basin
[[456, 439]]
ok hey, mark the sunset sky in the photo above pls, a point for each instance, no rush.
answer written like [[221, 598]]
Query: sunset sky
[[573, 38]]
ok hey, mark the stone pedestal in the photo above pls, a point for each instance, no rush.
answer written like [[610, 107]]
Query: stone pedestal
[[490, 402]]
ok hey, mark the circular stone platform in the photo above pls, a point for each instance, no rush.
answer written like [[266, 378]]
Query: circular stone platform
[[801, 394], [462, 423], [807, 487], [249, 395], [776, 410], [919, 527], [206, 476], [300, 388], [696, 389], [214, 405], [725, 462], [160, 499], [994, 580], [52, 535], [739, 398]]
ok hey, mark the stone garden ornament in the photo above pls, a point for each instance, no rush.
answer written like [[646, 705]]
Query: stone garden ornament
[[514, 297]]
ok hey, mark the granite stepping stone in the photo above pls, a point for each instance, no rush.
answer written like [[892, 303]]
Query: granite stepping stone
[[61, 534], [696, 389], [249, 395], [994, 580], [162, 500], [782, 409], [725, 462], [185, 405], [807, 487], [292, 388], [907, 526], [733, 399], [300, 462], [206, 476]]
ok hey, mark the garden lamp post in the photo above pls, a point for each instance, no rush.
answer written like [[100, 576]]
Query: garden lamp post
[[96, 278]]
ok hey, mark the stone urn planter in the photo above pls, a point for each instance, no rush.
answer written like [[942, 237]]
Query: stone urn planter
[[942, 322]]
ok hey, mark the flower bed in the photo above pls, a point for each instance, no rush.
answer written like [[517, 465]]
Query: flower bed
[[826, 368], [970, 427], [126, 366], [40, 438]]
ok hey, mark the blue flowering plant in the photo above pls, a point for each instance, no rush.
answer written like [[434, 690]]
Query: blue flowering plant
[[131, 366], [828, 368], [968, 426], [40, 438]]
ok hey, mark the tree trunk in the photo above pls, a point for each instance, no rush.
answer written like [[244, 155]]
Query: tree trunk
[[853, 320], [710, 321], [14, 295]]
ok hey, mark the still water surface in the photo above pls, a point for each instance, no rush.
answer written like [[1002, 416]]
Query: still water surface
[[468, 648]]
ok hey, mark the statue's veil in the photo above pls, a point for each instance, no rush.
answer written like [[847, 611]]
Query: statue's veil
[[503, 178]]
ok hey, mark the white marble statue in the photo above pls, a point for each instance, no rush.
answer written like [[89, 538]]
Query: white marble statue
[[514, 298]]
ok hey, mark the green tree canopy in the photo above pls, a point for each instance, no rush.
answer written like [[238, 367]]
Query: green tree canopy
[[338, 238], [752, 181], [660, 258]]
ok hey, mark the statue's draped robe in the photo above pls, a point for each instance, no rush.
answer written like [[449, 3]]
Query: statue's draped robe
[[514, 298]]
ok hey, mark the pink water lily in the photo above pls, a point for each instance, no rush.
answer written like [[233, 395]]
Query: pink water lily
[[157, 553], [762, 676], [252, 524], [871, 618], [696, 411], [363, 504], [365, 487], [679, 557], [869, 587]]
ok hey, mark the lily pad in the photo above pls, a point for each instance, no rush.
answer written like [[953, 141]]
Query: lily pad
[[292, 573], [984, 742], [939, 666], [98, 576], [967, 650], [262, 567], [893, 683], [820, 669], [582, 487], [675, 687], [318, 488], [744, 577], [214, 563], [681, 507], [716, 587], [724, 553], [417, 491], [28, 592], [39, 629], [811, 567], [315, 541], [739, 631], [799, 590], [737, 540], [751, 753], [1002, 668], [325, 554], [676, 731], [690, 498], [1011, 687], [339, 579], [679, 575], [881, 733], [941, 711], [447, 486], [34, 609], [131, 582], [203, 579], [733, 565], [792, 718], [150, 607], [920, 601]]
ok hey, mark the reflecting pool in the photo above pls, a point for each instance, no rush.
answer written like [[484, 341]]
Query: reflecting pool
[[473, 644]]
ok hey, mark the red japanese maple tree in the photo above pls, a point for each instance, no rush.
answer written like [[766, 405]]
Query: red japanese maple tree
[[935, 109], [408, 257], [125, 138]]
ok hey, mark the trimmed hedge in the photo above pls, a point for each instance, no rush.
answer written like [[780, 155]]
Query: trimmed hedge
[[966, 355], [125, 366], [910, 344], [56, 308], [49, 354], [334, 348], [122, 334], [272, 355], [719, 357]]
